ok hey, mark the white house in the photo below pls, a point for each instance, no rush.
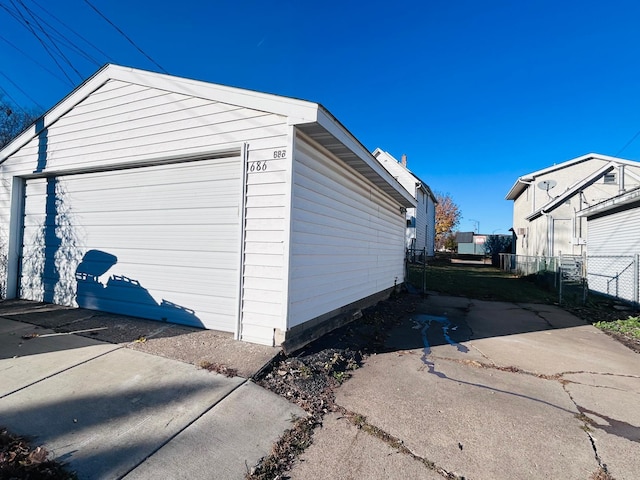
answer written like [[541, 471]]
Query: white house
[[421, 220], [184, 201], [546, 202], [613, 260]]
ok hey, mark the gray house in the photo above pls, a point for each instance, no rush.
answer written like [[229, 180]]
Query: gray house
[[546, 202]]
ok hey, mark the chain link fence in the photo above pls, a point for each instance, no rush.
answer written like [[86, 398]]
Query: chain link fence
[[614, 276], [575, 277], [415, 271]]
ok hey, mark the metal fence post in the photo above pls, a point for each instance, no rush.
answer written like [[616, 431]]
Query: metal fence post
[[424, 270], [583, 274], [636, 281], [560, 280]]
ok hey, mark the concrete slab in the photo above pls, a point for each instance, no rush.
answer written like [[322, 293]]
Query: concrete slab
[[226, 441], [609, 401], [107, 415], [25, 360], [480, 423], [555, 351], [342, 451], [210, 346], [178, 342]]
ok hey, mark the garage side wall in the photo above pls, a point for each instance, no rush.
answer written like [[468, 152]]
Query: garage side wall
[[122, 124], [613, 242], [347, 238]]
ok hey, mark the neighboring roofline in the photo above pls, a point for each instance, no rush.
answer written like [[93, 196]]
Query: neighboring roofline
[[571, 191], [525, 180], [626, 198], [298, 112], [422, 185]]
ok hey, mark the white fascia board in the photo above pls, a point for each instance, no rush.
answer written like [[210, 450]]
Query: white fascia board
[[333, 126], [570, 192], [628, 197]]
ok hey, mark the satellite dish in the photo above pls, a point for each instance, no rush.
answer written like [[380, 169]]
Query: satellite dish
[[547, 185]]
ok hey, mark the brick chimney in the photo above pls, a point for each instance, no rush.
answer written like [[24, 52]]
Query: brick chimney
[[404, 160]]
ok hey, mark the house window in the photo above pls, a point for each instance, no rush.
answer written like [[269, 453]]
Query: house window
[[610, 178]]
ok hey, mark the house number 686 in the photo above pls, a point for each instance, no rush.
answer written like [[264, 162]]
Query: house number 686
[[257, 166]]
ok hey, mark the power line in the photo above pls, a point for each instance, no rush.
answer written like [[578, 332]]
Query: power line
[[52, 73], [55, 45], [628, 143], [84, 39], [26, 23], [125, 35], [16, 104], [22, 91]]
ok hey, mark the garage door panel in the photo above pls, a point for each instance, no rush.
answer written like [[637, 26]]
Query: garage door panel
[[159, 242], [198, 195]]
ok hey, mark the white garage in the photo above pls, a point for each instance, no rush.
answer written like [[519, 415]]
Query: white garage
[[194, 203]]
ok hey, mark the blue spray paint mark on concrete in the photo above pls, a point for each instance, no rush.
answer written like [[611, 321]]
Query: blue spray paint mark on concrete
[[427, 322]]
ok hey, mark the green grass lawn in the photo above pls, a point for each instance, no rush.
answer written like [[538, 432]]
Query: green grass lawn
[[481, 282]]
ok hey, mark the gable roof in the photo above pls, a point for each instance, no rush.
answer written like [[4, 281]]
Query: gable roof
[[573, 190], [378, 152], [309, 117], [523, 182]]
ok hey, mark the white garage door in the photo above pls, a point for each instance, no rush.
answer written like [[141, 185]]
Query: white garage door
[[159, 242]]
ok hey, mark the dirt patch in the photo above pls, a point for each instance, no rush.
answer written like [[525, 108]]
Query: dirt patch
[[19, 460], [310, 376]]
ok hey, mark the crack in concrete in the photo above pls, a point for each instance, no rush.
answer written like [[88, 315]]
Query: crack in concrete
[[586, 427], [539, 315], [485, 356], [360, 422], [614, 427]]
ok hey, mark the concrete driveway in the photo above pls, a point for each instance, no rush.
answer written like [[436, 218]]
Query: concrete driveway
[[112, 411], [486, 390]]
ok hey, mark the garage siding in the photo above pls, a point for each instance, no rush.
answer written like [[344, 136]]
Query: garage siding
[[122, 123], [347, 240], [613, 242]]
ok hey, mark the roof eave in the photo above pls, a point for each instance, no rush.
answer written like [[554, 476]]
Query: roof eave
[[377, 173], [579, 186], [632, 196]]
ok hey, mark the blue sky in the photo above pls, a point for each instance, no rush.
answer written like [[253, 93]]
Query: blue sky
[[475, 93]]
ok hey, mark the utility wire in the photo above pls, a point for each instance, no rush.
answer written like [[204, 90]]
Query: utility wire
[[22, 91], [16, 104], [84, 39], [125, 35], [28, 25], [55, 45], [51, 72], [628, 143]]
